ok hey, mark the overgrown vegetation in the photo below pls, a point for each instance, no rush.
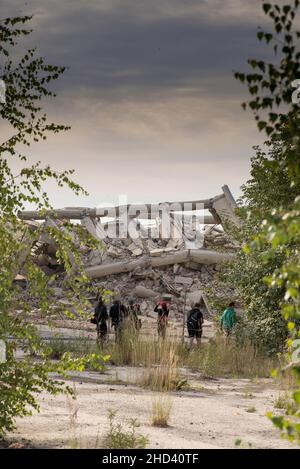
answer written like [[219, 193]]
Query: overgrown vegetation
[[273, 186], [28, 79], [277, 236], [161, 361], [160, 358], [262, 325], [228, 359], [81, 348], [118, 437], [77, 347], [285, 402]]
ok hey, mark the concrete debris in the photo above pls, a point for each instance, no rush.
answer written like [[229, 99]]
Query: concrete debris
[[135, 250], [141, 256], [143, 292]]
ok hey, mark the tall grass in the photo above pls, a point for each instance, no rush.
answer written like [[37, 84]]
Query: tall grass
[[164, 376], [133, 351], [162, 359], [220, 357]]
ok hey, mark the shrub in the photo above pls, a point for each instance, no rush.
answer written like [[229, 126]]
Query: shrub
[[285, 402], [119, 438]]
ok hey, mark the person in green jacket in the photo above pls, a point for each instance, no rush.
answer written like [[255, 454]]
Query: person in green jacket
[[228, 318]]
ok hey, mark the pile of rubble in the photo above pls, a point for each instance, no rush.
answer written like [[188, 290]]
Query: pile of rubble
[[147, 252]]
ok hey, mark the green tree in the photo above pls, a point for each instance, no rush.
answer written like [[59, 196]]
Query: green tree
[[267, 188], [27, 81], [273, 184]]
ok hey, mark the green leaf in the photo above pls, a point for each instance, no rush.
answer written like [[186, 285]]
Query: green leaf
[[267, 7], [296, 397]]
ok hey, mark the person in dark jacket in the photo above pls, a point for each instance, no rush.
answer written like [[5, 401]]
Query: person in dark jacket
[[101, 317], [194, 324], [162, 318], [117, 313]]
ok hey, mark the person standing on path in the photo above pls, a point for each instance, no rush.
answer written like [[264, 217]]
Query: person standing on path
[[117, 314], [162, 311], [100, 319], [194, 324]]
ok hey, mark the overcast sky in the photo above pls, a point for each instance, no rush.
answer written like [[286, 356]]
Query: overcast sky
[[150, 95]]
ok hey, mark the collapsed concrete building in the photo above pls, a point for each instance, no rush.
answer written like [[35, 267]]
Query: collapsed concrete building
[[148, 251]]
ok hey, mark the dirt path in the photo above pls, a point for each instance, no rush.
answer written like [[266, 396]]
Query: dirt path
[[212, 414]]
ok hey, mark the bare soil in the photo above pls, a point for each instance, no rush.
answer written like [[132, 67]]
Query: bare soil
[[210, 414]]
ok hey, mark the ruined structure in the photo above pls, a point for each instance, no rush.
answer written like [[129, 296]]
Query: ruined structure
[[148, 250]]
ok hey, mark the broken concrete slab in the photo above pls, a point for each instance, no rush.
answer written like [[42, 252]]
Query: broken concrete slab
[[135, 250], [198, 296], [225, 206], [184, 280], [143, 292], [202, 257]]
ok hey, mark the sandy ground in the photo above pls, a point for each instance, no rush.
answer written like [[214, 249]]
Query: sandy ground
[[210, 414]]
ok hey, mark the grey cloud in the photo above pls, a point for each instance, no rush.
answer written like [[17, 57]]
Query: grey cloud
[[142, 44], [150, 83]]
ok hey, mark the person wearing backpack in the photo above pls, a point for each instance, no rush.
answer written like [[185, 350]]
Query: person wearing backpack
[[118, 313], [162, 318], [194, 324], [100, 319], [228, 319]]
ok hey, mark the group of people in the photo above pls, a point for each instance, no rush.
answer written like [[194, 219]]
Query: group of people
[[121, 314], [195, 320]]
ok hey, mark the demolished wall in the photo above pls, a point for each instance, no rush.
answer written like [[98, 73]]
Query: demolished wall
[[146, 255]]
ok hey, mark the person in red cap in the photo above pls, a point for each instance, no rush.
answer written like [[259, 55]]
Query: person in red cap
[[162, 318]]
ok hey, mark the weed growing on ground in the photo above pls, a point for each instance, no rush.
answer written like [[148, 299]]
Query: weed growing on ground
[[161, 409], [286, 402], [119, 438], [251, 410]]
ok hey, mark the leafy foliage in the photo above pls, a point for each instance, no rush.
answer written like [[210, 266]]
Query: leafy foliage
[[273, 186], [24, 121], [262, 324], [280, 231]]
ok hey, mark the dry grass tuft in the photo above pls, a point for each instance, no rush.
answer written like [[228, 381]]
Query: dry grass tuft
[[161, 409]]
